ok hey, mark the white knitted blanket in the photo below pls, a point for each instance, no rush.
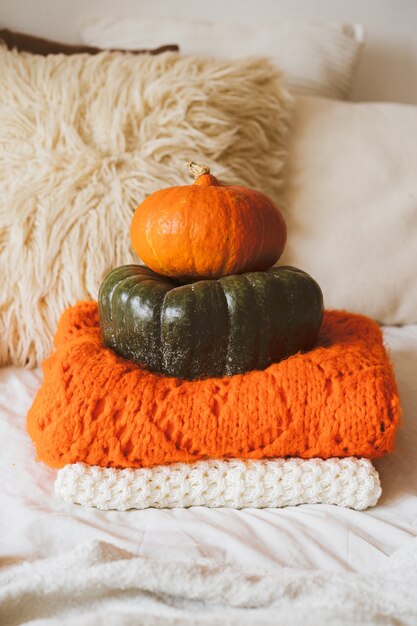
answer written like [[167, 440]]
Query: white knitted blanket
[[230, 483], [98, 584]]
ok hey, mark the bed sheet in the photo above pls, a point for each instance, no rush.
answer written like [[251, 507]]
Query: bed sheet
[[35, 523]]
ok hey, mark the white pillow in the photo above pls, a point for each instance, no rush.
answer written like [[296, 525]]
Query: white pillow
[[317, 59], [351, 196]]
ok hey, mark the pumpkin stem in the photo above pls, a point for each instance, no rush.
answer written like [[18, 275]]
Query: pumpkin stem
[[198, 169]]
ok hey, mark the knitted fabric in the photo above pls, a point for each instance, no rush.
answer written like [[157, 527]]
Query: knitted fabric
[[337, 400], [233, 483]]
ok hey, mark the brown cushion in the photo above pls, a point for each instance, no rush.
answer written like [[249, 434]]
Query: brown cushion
[[37, 45]]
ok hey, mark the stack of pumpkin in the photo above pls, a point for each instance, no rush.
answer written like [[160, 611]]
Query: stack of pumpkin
[[208, 304], [193, 399]]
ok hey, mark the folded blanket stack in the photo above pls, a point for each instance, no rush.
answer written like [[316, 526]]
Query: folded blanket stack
[[193, 380], [95, 408]]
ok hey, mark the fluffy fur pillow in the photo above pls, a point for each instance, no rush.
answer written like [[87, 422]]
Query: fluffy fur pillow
[[83, 140]]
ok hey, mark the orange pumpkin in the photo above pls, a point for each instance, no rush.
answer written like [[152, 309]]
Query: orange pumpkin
[[207, 230]]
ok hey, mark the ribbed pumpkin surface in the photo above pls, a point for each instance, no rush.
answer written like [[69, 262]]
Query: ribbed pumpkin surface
[[208, 230], [209, 328]]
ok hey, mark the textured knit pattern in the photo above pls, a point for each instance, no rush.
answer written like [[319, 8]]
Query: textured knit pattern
[[234, 483], [84, 139], [337, 400]]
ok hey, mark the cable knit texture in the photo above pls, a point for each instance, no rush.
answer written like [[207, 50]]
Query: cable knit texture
[[233, 483], [338, 400]]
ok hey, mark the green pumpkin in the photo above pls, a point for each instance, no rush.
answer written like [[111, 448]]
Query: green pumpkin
[[208, 328]]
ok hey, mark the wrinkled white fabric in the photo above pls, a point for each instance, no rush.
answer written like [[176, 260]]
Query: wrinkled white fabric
[[97, 579]]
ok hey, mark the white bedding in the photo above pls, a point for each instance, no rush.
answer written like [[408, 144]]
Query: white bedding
[[34, 522]]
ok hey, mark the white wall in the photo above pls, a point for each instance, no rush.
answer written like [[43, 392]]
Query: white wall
[[388, 70]]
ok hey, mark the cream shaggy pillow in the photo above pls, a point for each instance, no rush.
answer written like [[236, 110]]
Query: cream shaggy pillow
[[84, 139], [351, 196]]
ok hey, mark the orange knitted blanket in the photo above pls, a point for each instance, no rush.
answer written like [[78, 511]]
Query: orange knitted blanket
[[338, 400]]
